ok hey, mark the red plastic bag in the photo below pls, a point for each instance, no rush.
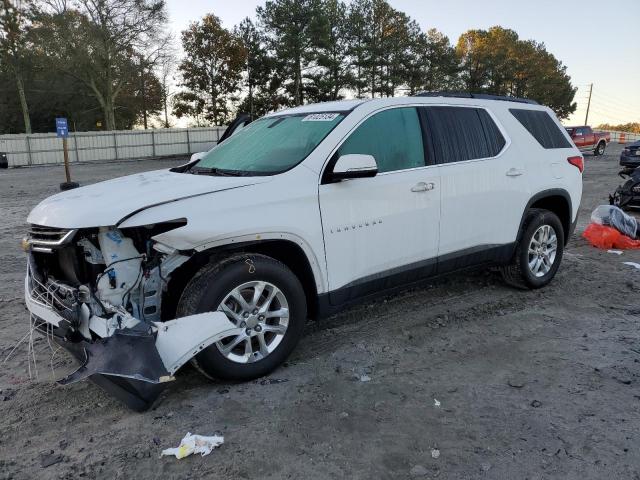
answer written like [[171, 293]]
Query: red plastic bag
[[602, 236]]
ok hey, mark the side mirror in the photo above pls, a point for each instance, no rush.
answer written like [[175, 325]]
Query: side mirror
[[197, 156], [354, 166]]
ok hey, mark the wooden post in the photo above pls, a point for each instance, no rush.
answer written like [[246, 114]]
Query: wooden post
[[65, 150]]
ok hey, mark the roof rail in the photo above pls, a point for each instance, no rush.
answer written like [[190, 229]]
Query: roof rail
[[479, 96]]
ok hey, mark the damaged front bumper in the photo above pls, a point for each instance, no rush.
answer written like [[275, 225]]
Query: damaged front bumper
[[133, 361]]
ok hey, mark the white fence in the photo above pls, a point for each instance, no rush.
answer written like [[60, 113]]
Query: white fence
[[621, 137], [624, 137], [46, 148]]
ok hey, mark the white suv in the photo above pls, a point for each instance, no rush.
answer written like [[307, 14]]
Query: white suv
[[295, 216]]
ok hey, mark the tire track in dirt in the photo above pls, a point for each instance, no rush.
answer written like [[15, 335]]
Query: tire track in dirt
[[418, 309]]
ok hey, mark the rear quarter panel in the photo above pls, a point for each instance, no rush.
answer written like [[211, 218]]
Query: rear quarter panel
[[546, 169]]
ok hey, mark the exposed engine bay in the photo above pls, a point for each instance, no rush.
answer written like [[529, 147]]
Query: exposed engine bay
[[98, 292]]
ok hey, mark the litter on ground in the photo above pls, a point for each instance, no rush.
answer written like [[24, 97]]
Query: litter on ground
[[632, 264], [435, 453], [617, 252], [436, 403], [194, 444]]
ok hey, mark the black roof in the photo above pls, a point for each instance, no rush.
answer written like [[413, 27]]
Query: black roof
[[480, 96]]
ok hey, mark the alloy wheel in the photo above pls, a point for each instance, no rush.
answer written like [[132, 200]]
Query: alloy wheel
[[542, 250], [262, 310]]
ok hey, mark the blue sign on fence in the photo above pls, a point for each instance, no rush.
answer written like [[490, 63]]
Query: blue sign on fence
[[62, 129]]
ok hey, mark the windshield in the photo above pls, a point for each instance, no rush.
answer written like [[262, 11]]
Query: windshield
[[270, 145]]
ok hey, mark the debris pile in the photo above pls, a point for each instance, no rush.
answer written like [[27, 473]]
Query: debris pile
[[611, 228]]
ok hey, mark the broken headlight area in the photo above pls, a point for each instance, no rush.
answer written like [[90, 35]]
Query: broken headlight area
[[99, 293]]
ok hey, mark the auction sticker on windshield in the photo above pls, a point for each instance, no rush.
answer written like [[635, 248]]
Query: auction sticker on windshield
[[321, 117]]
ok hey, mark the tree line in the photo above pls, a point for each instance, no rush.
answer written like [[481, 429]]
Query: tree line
[[110, 62], [631, 127]]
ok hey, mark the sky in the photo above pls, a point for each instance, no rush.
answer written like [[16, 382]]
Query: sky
[[598, 41]]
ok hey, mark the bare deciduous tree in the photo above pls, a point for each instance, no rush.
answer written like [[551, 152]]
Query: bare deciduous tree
[[100, 42]]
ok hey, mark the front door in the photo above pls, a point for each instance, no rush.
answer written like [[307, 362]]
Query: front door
[[382, 231], [579, 138]]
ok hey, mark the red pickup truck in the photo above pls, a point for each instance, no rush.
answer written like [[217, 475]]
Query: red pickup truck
[[589, 141]]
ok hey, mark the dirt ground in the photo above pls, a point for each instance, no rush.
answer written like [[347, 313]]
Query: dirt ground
[[530, 385]]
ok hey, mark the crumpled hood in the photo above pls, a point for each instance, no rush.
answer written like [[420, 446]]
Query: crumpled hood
[[107, 203]]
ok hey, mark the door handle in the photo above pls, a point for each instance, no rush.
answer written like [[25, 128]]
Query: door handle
[[423, 187], [514, 172]]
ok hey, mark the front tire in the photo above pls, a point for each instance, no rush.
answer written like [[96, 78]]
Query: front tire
[[600, 149], [257, 293], [538, 253]]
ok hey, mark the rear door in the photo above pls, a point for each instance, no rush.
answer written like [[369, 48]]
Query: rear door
[[483, 185], [382, 231], [588, 138]]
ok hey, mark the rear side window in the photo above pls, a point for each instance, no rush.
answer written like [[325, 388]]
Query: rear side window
[[495, 140], [542, 127], [461, 133]]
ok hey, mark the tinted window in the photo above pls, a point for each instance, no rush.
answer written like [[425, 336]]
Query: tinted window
[[495, 140], [542, 127], [393, 137], [460, 133]]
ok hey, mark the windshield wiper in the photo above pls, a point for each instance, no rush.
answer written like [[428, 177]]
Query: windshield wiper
[[220, 172]]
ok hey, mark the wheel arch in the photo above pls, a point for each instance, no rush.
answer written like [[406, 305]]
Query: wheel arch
[[287, 251], [555, 200]]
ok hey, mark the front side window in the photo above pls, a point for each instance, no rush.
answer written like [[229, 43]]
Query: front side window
[[393, 137], [270, 145], [462, 133]]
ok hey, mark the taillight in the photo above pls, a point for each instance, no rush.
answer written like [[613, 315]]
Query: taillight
[[577, 162]]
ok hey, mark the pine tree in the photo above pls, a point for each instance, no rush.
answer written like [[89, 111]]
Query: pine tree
[[211, 70]]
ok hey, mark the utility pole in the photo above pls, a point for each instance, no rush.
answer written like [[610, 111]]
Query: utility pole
[[586, 118]]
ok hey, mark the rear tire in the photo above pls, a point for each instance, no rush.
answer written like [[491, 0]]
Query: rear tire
[[538, 253], [274, 321]]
